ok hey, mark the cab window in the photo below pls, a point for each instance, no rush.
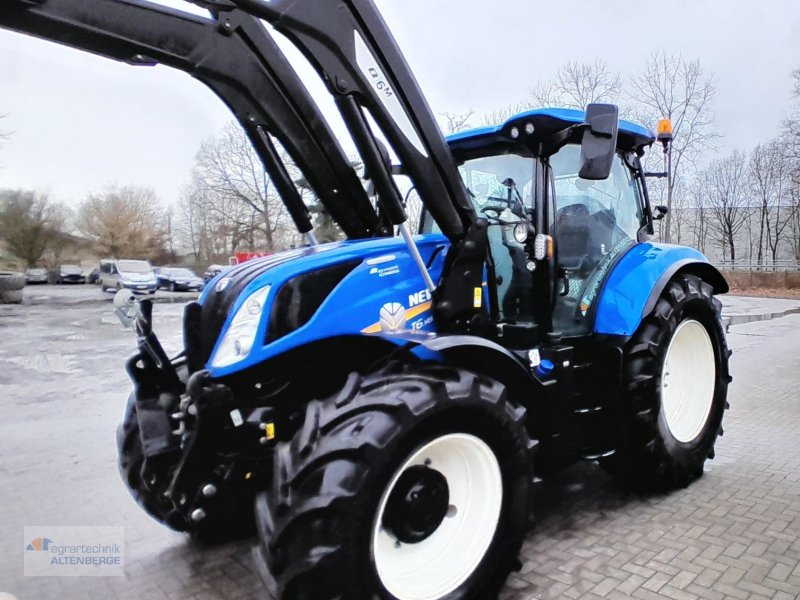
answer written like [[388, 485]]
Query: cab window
[[595, 221], [500, 187]]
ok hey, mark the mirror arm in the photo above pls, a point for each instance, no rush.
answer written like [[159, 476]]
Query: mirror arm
[[640, 173]]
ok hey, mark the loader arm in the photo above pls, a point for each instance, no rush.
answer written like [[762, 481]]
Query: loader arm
[[356, 55], [236, 58]]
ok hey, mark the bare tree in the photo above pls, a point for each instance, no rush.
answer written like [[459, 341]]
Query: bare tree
[[789, 141], [725, 187], [123, 221], [455, 122], [170, 233], [794, 220], [213, 224], [500, 115], [27, 224], [791, 126], [227, 167], [770, 182], [578, 84], [672, 87]]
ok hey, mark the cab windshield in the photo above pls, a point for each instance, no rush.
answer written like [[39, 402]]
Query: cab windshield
[[617, 196]]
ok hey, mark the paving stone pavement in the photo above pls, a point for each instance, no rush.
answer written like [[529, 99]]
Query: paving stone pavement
[[732, 534]]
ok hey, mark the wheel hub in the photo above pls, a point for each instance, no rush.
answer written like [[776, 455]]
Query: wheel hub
[[687, 381], [417, 505]]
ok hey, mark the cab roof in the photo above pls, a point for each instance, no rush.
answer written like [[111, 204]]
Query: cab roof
[[546, 122]]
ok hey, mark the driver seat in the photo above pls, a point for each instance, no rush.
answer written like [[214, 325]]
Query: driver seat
[[574, 232]]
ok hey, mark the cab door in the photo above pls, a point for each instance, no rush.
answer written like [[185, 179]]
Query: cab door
[[501, 190], [594, 222]]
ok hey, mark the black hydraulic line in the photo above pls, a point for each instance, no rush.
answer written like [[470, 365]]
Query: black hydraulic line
[[237, 59], [388, 194], [282, 181]]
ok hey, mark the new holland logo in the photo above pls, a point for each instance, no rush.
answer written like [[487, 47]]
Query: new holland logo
[[392, 316], [222, 284]]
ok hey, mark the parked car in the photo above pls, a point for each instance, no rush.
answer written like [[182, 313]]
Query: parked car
[[36, 275], [178, 279], [135, 275], [94, 275], [70, 274]]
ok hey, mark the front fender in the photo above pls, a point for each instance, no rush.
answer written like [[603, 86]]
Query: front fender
[[637, 280], [489, 358]]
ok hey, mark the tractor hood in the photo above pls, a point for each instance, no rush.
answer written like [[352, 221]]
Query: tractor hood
[[285, 300]]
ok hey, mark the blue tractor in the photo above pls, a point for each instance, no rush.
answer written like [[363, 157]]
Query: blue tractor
[[386, 401]]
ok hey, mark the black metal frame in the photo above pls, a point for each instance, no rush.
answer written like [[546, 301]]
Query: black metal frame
[[236, 58], [355, 54]]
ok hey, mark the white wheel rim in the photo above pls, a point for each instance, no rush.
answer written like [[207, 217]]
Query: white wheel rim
[[442, 562], [687, 381]]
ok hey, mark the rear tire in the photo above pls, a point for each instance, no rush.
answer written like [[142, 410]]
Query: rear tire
[[675, 383], [343, 490]]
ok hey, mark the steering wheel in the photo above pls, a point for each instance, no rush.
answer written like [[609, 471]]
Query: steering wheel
[[497, 210]]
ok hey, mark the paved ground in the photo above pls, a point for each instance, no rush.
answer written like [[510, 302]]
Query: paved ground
[[733, 534]]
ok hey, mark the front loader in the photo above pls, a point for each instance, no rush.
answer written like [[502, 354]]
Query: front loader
[[386, 401]]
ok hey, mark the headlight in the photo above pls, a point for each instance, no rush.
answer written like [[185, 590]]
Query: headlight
[[241, 334]]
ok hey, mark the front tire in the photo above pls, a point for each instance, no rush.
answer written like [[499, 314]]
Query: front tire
[[675, 383], [412, 483]]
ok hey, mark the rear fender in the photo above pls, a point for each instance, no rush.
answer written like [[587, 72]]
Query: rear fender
[[638, 279]]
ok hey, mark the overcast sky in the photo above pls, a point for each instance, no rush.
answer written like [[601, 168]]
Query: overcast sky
[[78, 122]]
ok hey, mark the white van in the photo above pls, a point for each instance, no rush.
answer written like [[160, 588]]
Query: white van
[[135, 275]]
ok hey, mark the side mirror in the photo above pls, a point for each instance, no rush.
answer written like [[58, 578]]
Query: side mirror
[[599, 143], [661, 212]]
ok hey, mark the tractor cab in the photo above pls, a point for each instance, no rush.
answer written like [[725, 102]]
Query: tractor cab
[[525, 178]]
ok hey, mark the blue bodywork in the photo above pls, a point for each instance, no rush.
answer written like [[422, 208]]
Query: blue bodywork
[[387, 275], [549, 119], [629, 286]]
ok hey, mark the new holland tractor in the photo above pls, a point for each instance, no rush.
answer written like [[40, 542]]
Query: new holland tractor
[[386, 401]]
